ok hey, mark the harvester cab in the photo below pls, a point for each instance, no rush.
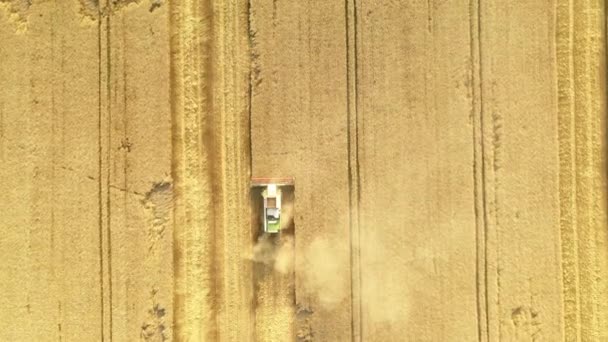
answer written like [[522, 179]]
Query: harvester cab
[[271, 196], [272, 209]]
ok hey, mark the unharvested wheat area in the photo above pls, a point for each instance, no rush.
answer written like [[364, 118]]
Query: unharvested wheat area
[[444, 169]]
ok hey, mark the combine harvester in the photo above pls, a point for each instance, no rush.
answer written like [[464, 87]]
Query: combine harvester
[[272, 201]]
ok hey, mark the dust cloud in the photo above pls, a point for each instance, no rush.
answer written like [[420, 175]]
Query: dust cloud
[[275, 253], [320, 267], [320, 270]]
